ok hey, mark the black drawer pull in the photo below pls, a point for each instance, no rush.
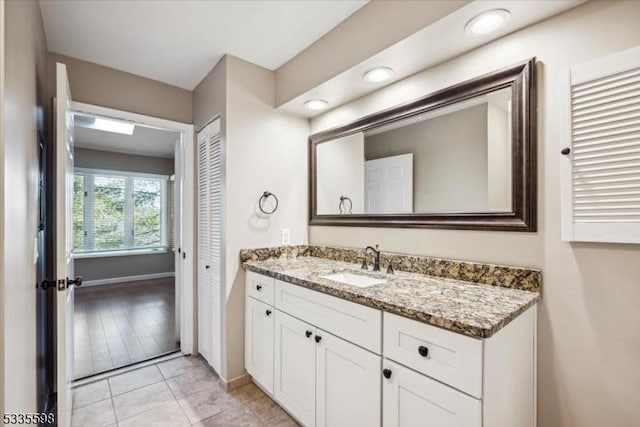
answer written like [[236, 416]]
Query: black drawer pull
[[386, 373], [268, 312], [424, 351], [565, 151], [258, 287], [308, 333], [318, 338]]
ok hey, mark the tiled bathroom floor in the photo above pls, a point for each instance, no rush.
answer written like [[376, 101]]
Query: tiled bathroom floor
[[119, 324], [175, 393]]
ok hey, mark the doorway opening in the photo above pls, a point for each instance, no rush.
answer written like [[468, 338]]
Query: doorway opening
[[129, 244]]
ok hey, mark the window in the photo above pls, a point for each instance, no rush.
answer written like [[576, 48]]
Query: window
[[119, 213]]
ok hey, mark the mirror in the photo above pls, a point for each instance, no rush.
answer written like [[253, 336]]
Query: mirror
[[459, 158]]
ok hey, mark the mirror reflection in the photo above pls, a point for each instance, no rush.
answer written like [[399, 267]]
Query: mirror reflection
[[454, 159]]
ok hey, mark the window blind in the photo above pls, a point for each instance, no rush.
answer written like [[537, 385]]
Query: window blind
[[116, 211]]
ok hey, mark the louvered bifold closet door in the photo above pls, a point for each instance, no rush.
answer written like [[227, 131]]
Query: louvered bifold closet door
[[601, 155], [205, 296], [215, 216]]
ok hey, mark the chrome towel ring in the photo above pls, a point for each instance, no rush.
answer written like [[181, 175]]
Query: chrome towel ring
[[265, 196]]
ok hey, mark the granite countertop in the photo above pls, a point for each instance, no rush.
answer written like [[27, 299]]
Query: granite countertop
[[472, 309]]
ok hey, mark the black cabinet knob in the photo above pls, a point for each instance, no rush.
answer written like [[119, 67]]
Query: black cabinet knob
[[308, 333], [207, 267], [259, 287], [318, 338], [268, 312], [386, 373], [565, 151], [424, 351]]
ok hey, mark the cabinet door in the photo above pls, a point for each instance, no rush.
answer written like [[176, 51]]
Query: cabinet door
[[295, 355], [259, 342], [411, 399], [348, 384]]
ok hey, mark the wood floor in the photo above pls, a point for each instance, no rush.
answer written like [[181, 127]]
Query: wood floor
[[119, 324], [180, 392]]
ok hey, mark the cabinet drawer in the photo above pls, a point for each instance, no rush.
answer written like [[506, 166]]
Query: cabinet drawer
[[260, 287], [354, 322], [446, 356], [414, 400]]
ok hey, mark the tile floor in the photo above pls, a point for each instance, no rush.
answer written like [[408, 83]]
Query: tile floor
[[119, 324], [175, 393]]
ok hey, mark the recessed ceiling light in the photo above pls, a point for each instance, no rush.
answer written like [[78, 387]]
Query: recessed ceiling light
[[378, 74], [316, 104], [487, 22]]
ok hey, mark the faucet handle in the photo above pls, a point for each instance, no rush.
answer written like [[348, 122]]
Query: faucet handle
[[364, 265], [390, 269]]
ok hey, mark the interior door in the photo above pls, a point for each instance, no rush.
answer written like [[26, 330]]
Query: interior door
[[389, 184], [64, 245]]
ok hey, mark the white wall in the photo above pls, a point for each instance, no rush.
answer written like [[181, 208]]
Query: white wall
[[340, 172], [24, 74], [588, 322]]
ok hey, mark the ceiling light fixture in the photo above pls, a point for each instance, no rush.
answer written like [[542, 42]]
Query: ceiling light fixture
[[106, 125], [487, 22], [316, 104], [378, 74]]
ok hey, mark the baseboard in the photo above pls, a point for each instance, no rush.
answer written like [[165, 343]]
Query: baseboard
[[236, 383], [114, 280]]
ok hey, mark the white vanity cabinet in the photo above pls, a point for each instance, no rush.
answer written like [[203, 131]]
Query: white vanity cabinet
[[415, 400], [259, 339], [333, 363], [259, 329]]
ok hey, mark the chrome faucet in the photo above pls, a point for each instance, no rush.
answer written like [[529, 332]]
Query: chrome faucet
[[376, 258]]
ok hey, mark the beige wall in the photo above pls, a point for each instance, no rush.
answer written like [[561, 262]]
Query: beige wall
[[123, 266], [106, 87], [498, 158], [264, 150], [340, 172], [210, 96], [372, 28], [24, 82], [588, 322], [449, 159]]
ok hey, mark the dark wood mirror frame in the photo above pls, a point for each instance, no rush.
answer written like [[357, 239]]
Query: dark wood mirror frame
[[521, 79]]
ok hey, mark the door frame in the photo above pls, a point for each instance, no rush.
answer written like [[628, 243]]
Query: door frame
[[185, 256]]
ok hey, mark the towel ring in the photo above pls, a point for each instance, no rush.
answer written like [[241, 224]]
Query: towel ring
[[342, 205], [263, 198]]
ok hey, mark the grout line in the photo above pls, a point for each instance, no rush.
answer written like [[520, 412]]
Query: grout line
[[113, 406]]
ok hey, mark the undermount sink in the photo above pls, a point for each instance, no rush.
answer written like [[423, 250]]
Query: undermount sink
[[358, 280]]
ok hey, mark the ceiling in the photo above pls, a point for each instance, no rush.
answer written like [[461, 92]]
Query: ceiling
[[145, 141], [178, 42], [436, 43]]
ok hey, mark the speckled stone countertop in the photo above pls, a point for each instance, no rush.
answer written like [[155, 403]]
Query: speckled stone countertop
[[472, 309]]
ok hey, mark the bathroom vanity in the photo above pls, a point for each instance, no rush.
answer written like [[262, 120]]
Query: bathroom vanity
[[336, 345]]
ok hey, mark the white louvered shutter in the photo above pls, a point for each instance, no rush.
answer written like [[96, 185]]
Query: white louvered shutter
[[204, 252], [601, 168], [215, 215], [210, 212]]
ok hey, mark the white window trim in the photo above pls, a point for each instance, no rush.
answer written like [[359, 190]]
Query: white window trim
[[89, 237]]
